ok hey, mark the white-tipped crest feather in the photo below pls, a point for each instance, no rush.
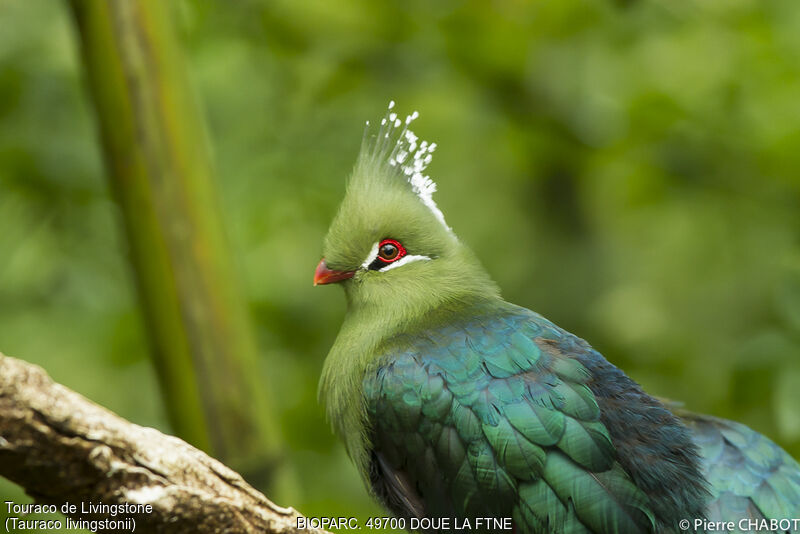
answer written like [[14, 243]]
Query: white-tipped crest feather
[[408, 156]]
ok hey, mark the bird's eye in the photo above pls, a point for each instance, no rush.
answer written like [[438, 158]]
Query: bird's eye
[[390, 250]]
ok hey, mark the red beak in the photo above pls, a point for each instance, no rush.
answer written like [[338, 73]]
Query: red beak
[[323, 275]]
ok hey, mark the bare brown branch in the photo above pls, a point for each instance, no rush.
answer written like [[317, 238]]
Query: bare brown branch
[[61, 447]]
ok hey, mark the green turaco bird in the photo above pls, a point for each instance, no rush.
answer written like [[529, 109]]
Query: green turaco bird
[[456, 404]]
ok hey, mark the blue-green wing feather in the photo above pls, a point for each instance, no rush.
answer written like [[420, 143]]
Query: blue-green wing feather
[[749, 475], [483, 419]]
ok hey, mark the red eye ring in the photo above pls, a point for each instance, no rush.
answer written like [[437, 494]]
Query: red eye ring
[[392, 252]]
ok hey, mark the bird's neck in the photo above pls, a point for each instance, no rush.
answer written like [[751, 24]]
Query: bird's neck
[[365, 333]]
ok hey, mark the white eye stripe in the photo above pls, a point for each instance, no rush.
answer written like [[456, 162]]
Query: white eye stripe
[[404, 260], [373, 255]]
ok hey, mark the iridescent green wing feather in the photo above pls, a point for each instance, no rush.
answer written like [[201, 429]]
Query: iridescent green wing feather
[[482, 418]]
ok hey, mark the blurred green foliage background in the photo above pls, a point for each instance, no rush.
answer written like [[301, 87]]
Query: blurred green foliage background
[[630, 170]]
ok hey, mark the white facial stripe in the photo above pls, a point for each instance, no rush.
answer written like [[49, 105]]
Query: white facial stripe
[[371, 256], [404, 260]]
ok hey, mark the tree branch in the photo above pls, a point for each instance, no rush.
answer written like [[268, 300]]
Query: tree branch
[[61, 447]]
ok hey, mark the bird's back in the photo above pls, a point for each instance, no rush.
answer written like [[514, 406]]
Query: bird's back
[[506, 415]]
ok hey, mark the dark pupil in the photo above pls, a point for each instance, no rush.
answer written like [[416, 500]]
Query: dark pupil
[[388, 251]]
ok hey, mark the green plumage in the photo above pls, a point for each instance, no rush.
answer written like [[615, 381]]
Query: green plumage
[[526, 424], [454, 403]]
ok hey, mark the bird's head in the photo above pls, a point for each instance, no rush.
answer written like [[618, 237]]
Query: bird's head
[[389, 244]]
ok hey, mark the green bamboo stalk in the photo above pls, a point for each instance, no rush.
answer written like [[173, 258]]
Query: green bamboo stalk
[[160, 171]]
